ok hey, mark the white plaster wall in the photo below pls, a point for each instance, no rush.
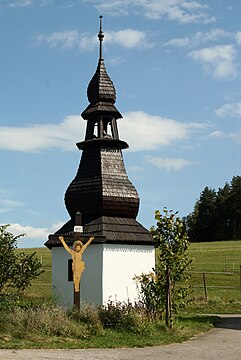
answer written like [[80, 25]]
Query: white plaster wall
[[91, 281], [108, 275], [62, 289], [120, 264]]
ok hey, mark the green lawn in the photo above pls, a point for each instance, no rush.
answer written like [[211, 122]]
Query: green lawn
[[220, 261], [23, 330], [41, 287], [208, 257]]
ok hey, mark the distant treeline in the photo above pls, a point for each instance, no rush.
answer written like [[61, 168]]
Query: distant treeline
[[217, 214]]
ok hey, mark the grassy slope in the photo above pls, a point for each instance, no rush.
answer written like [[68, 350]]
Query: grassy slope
[[222, 256], [42, 285]]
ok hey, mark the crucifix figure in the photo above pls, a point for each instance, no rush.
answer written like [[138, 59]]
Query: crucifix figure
[[78, 266]]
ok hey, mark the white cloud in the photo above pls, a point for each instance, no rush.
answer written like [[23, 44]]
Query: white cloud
[[116, 60], [135, 169], [126, 38], [179, 42], [238, 37], [217, 134], [20, 3], [183, 11], [87, 42], [64, 39], [34, 138], [229, 110], [147, 132], [33, 233], [142, 131], [7, 205], [235, 136], [27, 3], [169, 164], [217, 60], [201, 38]]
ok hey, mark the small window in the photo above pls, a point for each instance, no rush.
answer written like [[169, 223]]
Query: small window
[[70, 271]]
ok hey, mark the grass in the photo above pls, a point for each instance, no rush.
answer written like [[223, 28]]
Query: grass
[[216, 256], [222, 256], [220, 261], [41, 287], [208, 257], [53, 328]]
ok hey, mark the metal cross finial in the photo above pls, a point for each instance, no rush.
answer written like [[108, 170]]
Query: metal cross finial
[[101, 36]]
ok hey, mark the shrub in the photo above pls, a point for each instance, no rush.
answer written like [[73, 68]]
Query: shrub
[[152, 295], [123, 316], [47, 320], [89, 315], [16, 269]]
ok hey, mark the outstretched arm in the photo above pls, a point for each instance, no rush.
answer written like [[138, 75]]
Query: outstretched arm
[[61, 238], [87, 244]]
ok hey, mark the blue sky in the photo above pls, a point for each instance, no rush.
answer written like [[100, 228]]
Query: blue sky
[[176, 69]]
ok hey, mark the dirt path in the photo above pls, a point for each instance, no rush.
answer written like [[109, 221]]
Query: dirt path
[[221, 343]]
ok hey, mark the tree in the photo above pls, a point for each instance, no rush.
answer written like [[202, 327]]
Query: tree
[[204, 227], [168, 288], [217, 215], [222, 214], [234, 207], [17, 269]]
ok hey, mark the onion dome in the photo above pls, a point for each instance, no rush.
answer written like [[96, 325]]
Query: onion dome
[[101, 87], [101, 91]]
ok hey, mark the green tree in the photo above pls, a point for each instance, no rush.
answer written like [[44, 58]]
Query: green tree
[[222, 214], [217, 215], [17, 269], [234, 207], [167, 289], [205, 229]]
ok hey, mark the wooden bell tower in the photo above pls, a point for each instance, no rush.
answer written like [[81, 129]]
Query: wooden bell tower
[[109, 204]]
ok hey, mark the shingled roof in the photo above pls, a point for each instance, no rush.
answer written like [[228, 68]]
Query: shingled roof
[[105, 229]]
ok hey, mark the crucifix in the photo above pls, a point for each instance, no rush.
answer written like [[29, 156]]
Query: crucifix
[[78, 266]]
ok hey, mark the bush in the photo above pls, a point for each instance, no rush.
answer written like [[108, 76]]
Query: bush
[[123, 316], [47, 320], [51, 320], [16, 269], [152, 295], [89, 315]]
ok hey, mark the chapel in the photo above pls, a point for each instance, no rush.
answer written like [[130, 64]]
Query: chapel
[[104, 202]]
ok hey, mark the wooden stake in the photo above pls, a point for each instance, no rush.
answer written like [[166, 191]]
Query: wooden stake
[[77, 299], [240, 275], [205, 287]]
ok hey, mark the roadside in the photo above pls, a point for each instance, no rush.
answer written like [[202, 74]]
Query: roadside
[[221, 343]]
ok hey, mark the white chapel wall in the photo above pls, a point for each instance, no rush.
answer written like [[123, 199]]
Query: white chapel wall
[[120, 264]]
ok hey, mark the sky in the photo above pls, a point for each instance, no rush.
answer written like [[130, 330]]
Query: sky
[[176, 67]]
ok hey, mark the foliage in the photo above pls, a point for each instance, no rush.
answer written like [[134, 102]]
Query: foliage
[[217, 214], [46, 319], [121, 315], [48, 326], [167, 289], [153, 294], [17, 269]]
